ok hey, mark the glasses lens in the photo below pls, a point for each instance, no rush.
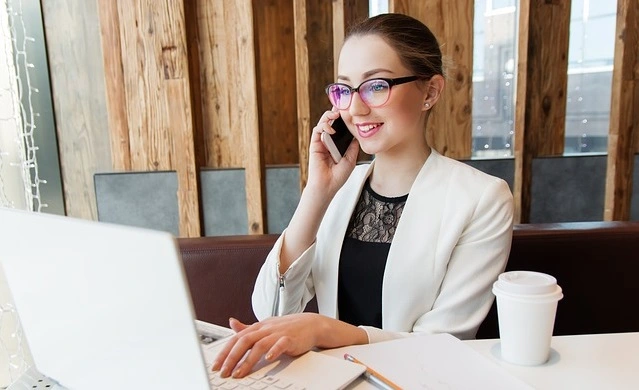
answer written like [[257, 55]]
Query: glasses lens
[[375, 92], [339, 95]]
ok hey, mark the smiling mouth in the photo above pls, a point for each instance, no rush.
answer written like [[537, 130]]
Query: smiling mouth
[[367, 128]]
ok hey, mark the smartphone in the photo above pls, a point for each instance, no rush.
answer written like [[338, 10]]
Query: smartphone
[[337, 143]]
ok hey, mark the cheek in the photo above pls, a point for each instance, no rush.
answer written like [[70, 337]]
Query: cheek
[[407, 109]]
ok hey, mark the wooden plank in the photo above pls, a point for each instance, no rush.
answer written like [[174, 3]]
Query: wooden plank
[[624, 115], [449, 126], [193, 53], [302, 87], [313, 56], [76, 72], [114, 83], [177, 95], [148, 127], [179, 110], [229, 97], [244, 118], [540, 110], [275, 71], [223, 147], [153, 36]]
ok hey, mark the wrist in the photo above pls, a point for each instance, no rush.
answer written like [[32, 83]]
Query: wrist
[[333, 333]]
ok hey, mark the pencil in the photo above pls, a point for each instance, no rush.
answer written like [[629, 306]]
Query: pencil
[[374, 375]]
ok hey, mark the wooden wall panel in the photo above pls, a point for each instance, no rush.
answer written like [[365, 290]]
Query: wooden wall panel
[[229, 97], [314, 69], [76, 73], [275, 43], [540, 111], [158, 104], [114, 83], [624, 113], [223, 143], [449, 127]]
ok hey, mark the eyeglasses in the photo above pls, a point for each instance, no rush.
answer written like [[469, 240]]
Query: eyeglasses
[[374, 92]]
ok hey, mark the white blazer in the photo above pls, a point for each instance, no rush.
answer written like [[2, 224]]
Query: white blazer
[[452, 241]]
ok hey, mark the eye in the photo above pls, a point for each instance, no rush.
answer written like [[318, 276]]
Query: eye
[[344, 91], [377, 86]]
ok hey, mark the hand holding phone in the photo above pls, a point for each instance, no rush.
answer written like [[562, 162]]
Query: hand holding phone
[[337, 143]]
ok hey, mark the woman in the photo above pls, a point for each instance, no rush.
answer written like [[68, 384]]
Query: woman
[[409, 243]]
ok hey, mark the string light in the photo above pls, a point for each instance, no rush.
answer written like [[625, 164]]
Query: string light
[[19, 159]]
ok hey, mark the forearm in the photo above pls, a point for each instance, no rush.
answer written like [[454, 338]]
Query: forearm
[[302, 229]]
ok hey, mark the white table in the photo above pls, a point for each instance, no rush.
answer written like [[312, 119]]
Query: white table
[[606, 361], [601, 362]]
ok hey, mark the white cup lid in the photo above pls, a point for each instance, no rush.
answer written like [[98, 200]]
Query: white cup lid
[[526, 282]]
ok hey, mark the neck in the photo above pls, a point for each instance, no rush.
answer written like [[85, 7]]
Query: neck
[[393, 176]]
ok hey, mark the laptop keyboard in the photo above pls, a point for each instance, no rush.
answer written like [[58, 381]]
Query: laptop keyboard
[[254, 381]]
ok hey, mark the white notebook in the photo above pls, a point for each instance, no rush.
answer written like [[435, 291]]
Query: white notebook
[[432, 362]]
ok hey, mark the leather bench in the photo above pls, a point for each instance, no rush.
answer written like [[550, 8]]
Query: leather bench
[[596, 264]]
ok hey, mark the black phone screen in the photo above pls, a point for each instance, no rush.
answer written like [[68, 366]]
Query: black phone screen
[[342, 137]]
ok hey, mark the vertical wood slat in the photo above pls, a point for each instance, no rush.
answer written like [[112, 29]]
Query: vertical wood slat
[[179, 111], [75, 71], [302, 88], [449, 127], [540, 110], [114, 82], [275, 70], [244, 85], [221, 143], [313, 56], [229, 97], [624, 113], [153, 36], [177, 97]]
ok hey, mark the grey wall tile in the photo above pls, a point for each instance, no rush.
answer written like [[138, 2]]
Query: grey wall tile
[[282, 195], [143, 199], [224, 202], [568, 189], [503, 168]]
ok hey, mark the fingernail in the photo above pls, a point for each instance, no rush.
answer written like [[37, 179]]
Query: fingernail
[[225, 372], [237, 373], [216, 366], [268, 356]]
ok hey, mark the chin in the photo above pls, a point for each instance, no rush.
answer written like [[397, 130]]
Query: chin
[[372, 148]]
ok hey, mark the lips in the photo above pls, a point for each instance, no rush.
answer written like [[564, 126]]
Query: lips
[[368, 130]]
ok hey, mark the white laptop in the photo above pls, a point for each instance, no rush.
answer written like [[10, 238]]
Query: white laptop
[[106, 306]]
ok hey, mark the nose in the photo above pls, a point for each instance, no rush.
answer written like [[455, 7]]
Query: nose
[[357, 107]]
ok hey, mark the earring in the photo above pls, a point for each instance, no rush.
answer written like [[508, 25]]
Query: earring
[[427, 105]]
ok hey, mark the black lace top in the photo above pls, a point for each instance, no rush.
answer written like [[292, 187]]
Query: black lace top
[[363, 257]]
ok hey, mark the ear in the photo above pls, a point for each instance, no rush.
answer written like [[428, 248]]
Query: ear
[[434, 88]]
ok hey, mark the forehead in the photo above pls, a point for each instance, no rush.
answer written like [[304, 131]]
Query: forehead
[[361, 54]]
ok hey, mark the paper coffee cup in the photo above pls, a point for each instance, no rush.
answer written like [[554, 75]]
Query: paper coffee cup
[[526, 308]]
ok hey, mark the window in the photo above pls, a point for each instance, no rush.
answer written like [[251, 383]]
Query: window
[[590, 63], [494, 66]]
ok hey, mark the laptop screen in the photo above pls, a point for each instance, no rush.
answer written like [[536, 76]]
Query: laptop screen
[[101, 304]]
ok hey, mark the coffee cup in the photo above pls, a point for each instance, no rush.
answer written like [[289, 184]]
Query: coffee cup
[[526, 308]]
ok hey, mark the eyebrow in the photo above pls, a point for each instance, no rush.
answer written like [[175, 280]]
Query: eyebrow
[[367, 74]]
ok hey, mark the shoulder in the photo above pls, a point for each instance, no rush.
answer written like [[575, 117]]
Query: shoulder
[[458, 183]]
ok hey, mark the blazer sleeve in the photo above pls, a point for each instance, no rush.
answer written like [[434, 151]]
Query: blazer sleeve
[[476, 261], [270, 297]]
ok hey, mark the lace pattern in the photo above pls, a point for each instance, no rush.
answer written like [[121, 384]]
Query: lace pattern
[[376, 217]]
